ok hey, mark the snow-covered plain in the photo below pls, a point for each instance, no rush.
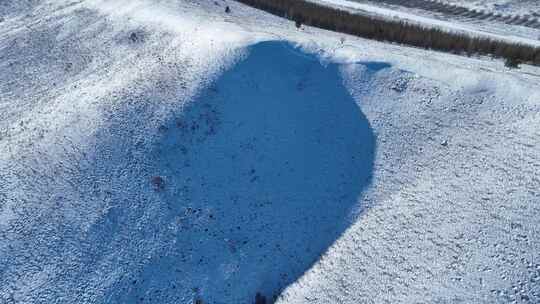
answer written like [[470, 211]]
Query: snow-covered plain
[[485, 26], [501, 6], [167, 152]]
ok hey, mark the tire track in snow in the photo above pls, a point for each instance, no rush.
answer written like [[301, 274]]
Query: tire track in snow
[[447, 9]]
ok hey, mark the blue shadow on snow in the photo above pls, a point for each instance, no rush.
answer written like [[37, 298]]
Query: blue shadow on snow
[[261, 173]]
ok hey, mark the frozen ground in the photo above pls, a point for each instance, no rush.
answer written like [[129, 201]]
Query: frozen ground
[[165, 152]]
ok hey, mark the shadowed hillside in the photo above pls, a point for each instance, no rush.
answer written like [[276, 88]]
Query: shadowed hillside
[[260, 173]]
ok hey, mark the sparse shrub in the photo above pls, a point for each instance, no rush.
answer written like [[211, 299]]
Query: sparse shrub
[[158, 183], [260, 299], [511, 63], [133, 37]]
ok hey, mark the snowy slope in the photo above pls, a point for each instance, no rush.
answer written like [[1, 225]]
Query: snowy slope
[[167, 152]]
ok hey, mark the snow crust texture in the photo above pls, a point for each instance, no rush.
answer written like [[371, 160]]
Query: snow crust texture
[[169, 152]]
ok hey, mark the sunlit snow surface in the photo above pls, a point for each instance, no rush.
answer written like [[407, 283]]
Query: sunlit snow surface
[[501, 6], [164, 152], [477, 19]]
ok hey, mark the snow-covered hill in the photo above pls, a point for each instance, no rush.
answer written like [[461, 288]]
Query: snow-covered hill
[[169, 152]]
